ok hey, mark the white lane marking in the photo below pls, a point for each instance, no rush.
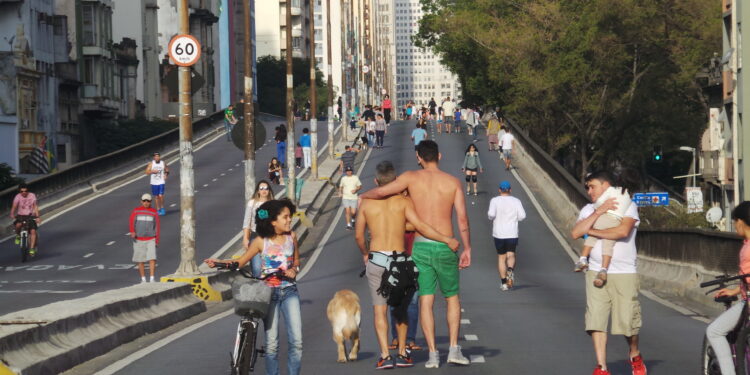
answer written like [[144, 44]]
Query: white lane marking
[[173, 204], [476, 358], [237, 165], [127, 234], [102, 193], [335, 224], [214, 180], [230, 169], [88, 255], [205, 185], [223, 174], [110, 243], [4, 291], [471, 337], [195, 191], [462, 310], [465, 321], [121, 364]]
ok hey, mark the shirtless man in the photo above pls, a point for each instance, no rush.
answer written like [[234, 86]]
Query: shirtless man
[[435, 195], [387, 221]]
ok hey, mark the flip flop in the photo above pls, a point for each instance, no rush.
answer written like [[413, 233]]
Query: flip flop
[[394, 345], [413, 346]]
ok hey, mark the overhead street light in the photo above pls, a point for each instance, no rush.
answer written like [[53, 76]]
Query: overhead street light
[[695, 166]]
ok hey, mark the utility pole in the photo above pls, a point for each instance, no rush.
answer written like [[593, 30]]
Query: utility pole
[[187, 178], [313, 98], [330, 79], [248, 107], [344, 100], [291, 173]]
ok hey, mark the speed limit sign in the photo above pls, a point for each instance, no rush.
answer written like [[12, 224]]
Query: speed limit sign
[[184, 50]]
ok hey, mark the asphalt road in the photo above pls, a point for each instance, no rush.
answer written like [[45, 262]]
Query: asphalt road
[[88, 250], [535, 328]]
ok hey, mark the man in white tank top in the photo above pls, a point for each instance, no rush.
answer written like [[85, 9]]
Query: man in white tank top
[[158, 171]]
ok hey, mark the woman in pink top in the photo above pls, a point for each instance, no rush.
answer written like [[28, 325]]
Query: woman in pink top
[[718, 329], [387, 109]]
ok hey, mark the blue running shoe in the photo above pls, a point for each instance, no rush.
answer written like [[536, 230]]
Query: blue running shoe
[[384, 363]]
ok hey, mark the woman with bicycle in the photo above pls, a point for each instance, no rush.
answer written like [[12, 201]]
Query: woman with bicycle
[[277, 246], [718, 329], [263, 193]]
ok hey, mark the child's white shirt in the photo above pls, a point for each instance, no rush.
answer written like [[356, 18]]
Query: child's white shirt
[[623, 201]]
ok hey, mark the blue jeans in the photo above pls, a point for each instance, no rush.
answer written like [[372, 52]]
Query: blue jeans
[[281, 152], [284, 301], [412, 321], [370, 139], [228, 127]]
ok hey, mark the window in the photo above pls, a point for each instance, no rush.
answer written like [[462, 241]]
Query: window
[[89, 34], [88, 70], [62, 155]]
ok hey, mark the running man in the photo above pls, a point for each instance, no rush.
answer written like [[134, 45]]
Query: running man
[[348, 188], [506, 143], [25, 207], [435, 195], [505, 212], [158, 170], [418, 135], [386, 219], [229, 121]]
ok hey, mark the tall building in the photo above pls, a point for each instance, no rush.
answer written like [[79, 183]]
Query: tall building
[[271, 32], [321, 41], [419, 73]]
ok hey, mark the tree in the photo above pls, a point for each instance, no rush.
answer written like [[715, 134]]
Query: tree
[[272, 92]]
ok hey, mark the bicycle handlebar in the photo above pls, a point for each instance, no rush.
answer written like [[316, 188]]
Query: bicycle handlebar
[[235, 266], [723, 279]]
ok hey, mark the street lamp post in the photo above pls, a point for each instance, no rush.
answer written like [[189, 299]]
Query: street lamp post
[[695, 165]]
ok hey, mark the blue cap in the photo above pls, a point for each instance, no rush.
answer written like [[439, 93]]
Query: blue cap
[[505, 186]]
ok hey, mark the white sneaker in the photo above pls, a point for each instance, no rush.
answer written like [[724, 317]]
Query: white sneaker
[[143, 280], [152, 280], [504, 287], [433, 361], [455, 356]]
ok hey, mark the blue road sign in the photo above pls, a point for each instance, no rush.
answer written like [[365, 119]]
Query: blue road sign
[[651, 199]]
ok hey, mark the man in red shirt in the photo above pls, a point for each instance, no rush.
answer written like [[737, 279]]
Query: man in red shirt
[[144, 229], [25, 208]]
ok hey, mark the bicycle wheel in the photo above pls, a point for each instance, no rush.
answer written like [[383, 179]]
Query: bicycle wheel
[[24, 249], [742, 351], [246, 359], [709, 364]]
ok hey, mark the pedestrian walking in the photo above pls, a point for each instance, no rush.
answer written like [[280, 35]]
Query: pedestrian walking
[[280, 139], [433, 108], [306, 143], [263, 193], [391, 274], [418, 135], [472, 165], [298, 154], [449, 108], [347, 159], [348, 188], [409, 110], [412, 311], [380, 129], [277, 246], [339, 108], [505, 212], [158, 171], [619, 296], [457, 120], [144, 230], [353, 123], [472, 122], [506, 142], [493, 127], [229, 121], [435, 195], [370, 126], [275, 172], [723, 324], [387, 108]]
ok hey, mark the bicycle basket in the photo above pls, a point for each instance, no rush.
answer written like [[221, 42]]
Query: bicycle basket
[[251, 297]]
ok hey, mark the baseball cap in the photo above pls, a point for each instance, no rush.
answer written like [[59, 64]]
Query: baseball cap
[[504, 186], [156, 153], [347, 169], [146, 197]]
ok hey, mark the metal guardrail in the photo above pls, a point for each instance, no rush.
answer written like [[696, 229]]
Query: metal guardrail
[[101, 165]]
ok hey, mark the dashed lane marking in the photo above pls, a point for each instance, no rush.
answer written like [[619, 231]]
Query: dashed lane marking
[[230, 169], [237, 165], [127, 234], [110, 243], [471, 337], [173, 204], [195, 191], [476, 358], [214, 180], [88, 255], [223, 174], [205, 185], [465, 321]]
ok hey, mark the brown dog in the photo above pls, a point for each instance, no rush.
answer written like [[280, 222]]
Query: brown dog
[[344, 315]]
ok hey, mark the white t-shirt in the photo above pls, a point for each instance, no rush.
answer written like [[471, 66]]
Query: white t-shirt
[[623, 201], [505, 212], [249, 220], [507, 141], [349, 183], [625, 255], [448, 108], [157, 178]]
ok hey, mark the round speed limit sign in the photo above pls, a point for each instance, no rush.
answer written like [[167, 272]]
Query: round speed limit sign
[[184, 50]]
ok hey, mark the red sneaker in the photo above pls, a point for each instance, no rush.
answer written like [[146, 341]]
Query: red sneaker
[[598, 371], [639, 368]]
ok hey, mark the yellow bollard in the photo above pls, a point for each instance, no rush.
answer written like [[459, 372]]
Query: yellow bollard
[[201, 288], [4, 370]]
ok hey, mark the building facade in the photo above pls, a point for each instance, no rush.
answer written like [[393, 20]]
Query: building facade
[[419, 73], [271, 33]]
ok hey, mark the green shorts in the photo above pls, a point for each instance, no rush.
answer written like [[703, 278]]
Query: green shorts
[[437, 264]]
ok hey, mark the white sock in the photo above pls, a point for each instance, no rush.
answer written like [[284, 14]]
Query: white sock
[[143, 279], [152, 279], [583, 260]]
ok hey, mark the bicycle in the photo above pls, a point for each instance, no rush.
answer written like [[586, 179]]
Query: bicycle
[[739, 337], [24, 237], [252, 299]]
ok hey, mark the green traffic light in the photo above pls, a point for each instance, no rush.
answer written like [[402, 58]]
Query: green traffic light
[[657, 157]]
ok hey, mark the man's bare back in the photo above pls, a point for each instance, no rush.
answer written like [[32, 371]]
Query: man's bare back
[[434, 193]]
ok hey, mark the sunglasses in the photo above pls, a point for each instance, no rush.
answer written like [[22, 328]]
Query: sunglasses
[[263, 188], [146, 200]]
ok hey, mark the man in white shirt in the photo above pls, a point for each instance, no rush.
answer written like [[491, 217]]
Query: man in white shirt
[[348, 187], [505, 212], [506, 143], [448, 108], [619, 296]]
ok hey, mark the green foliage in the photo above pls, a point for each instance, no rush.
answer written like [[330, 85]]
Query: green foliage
[[109, 136], [7, 177], [271, 73], [602, 81], [674, 216]]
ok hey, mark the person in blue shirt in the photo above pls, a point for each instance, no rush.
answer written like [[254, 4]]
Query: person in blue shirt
[[457, 117], [304, 140], [418, 135]]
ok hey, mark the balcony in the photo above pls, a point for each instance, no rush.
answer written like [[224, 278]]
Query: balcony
[[710, 163], [727, 84], [296, 7], [297, 32]]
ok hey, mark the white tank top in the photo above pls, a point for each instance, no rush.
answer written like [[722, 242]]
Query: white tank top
[[157, 178]]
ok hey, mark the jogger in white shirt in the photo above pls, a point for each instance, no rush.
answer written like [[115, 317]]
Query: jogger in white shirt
[[505, 212]]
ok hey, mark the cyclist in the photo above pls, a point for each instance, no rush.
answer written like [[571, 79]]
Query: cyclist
[[277, 246], [717, 331], [25, 207]]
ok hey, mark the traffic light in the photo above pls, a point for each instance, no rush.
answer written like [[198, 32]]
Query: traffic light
[[657, 154]]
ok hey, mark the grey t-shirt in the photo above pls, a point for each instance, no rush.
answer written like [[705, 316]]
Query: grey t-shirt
[[348, 158]]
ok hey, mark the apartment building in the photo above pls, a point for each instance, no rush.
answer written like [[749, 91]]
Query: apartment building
[[271, 33]]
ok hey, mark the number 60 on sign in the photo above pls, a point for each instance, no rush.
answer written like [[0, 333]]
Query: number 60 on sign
[[184, 50]]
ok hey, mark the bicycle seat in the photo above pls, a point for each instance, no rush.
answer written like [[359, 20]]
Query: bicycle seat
[[725, 299]]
